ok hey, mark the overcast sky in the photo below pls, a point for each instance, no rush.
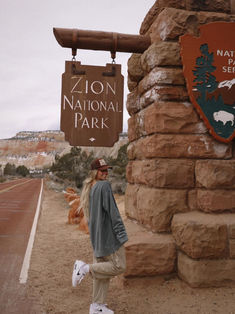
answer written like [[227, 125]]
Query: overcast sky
[[32, 62]]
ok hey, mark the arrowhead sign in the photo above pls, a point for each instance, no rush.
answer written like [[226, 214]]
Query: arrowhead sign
[[91, 104], [209, 69]]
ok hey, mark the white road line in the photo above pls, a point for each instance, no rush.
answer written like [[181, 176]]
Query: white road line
[[25, 266]]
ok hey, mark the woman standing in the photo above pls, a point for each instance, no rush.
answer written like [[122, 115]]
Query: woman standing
[[107, 234]]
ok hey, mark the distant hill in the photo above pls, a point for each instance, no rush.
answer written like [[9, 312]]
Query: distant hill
[[37, 150]]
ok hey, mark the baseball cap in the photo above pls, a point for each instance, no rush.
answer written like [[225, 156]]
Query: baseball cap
[[99, 163]]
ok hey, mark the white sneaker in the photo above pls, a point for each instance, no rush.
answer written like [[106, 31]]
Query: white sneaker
[[78, 273], [96, 308]]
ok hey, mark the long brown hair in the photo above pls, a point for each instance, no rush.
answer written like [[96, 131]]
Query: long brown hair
[[84, 199]]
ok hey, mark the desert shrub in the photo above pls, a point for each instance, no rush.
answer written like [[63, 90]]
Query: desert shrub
[[73, 166], [119, 164], [22, 171], [9, 169], [2, 179]]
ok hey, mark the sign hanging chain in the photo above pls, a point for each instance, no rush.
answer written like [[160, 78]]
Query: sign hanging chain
[[74, 53], [114, 48], [74, 50]]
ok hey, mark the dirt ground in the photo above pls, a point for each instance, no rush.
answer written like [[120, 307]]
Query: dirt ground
[[58, 244]]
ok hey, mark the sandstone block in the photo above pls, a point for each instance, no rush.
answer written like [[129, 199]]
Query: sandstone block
[[159, 76], [161, 54], [135, 70], [156, 211], [206, 273], [192, 200], [216, 200], [136, 126], [232, 248], [131, 150], [232, 2], [232, 230], [172, 117], [215, 173], [163, 93], [200, 235], [172, 23], [171, 173], [141, 172], [131, 85], [133, 131], [131, 201], [161, 118], [189, 5], [210, 17], [211, 6], [229, 220], [133, 103], [183, 146], [129, 175], [156, 9], [149, 255]]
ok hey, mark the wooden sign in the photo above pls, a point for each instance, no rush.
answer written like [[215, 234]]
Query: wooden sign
[[92, 104], [209, 69]]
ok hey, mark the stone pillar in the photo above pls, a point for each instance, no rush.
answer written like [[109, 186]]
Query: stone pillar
[[232, 6], [177, 172]]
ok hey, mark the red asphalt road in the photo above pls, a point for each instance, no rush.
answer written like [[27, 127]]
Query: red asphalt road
[[18, 202]]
